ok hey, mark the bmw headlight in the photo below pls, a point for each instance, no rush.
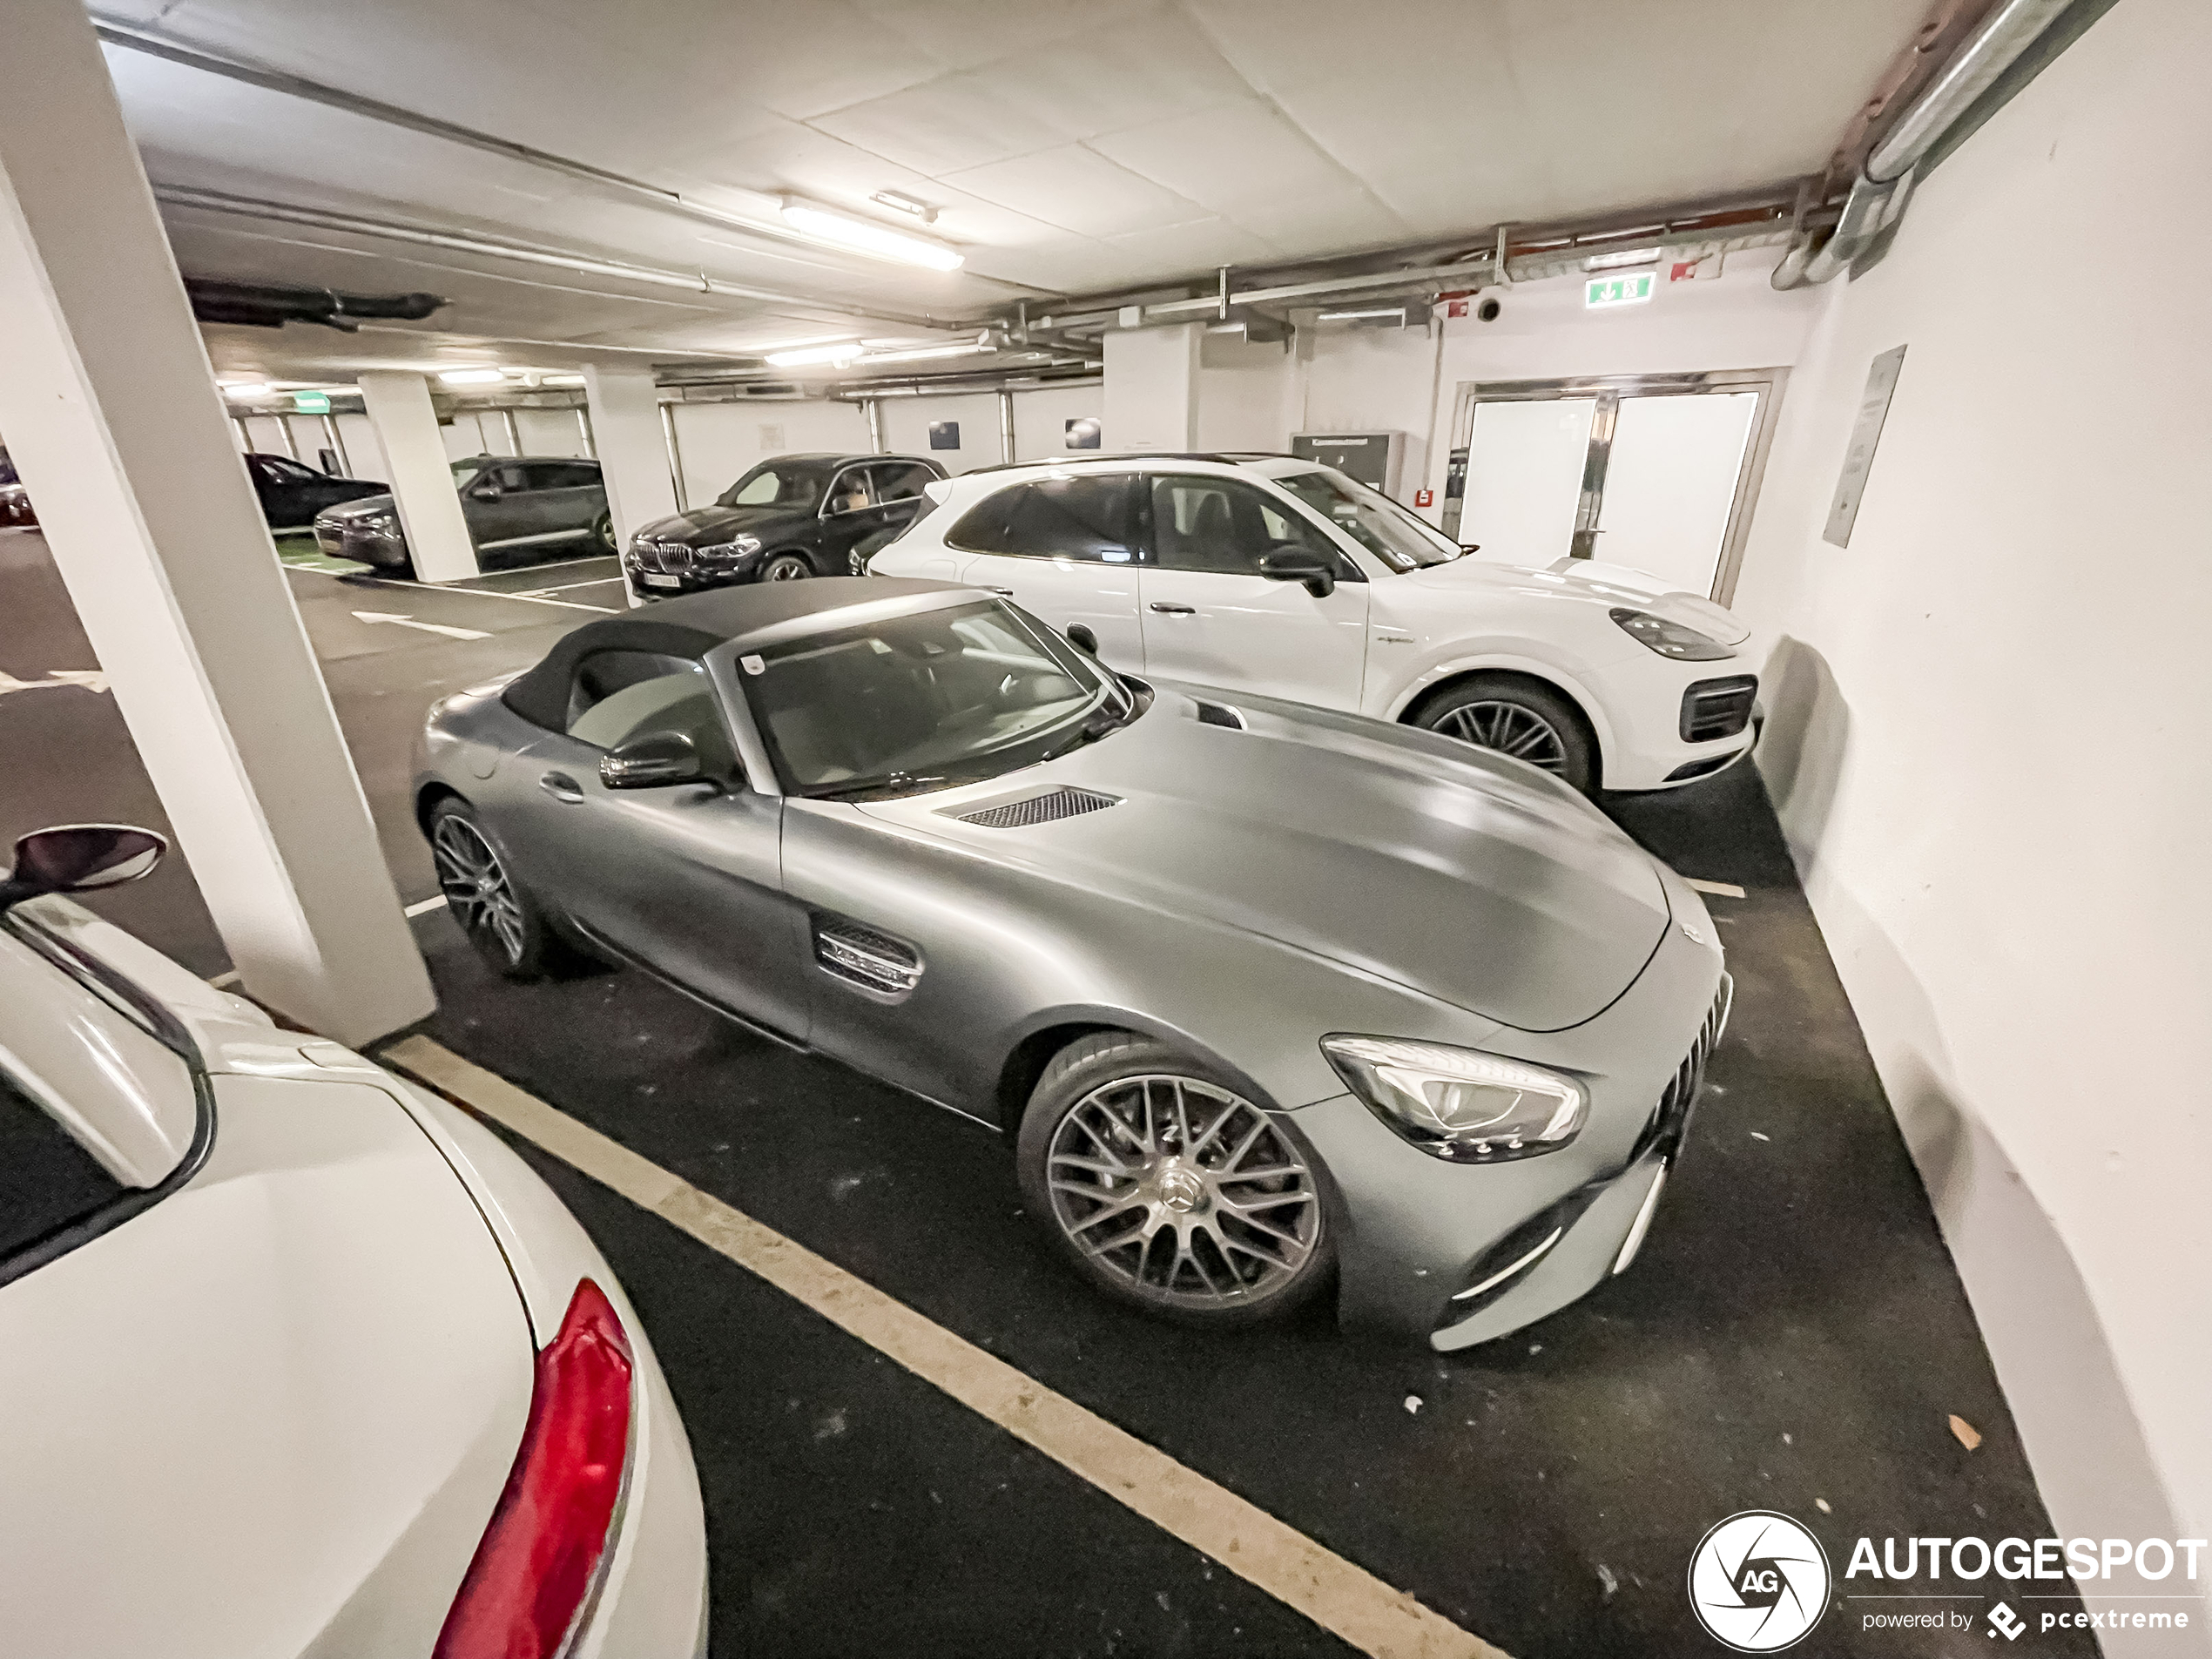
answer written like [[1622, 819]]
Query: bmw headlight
[[741, 548], [1670, 638], [1458, 1105]]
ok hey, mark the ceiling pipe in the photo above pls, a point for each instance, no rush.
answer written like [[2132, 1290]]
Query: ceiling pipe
[[1884, 184]]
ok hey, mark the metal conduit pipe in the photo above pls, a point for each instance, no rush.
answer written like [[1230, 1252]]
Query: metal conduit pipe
[[1878, 195], [1005, 427]]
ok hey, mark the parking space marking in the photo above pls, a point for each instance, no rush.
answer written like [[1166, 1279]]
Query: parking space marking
[[480, 593], [1721, 889], [1340, 1597], [437, 901]]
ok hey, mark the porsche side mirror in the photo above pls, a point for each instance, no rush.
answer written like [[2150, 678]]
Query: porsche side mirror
[[1079, 635], [485, 491], [79, 858], [1317, 570], [653, 761], [1470, 546]]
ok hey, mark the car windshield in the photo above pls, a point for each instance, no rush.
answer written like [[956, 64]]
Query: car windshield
[[777, 483], [923, 701], [1378, 524], [7, 468]]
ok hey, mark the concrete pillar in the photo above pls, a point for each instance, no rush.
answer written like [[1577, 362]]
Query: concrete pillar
[[406, 423], [633, 448], [111, 413], [1152, 388]]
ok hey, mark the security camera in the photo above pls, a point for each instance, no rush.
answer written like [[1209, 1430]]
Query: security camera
[[1488, 311]]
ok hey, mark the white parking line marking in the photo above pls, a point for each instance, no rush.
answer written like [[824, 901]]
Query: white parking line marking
[[1723, 889], [479, 593], [596, 581], [1328, 1589], [427, 627], [438, 903]]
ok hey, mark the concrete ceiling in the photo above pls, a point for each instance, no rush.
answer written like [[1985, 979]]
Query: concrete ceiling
[[1070, 145]]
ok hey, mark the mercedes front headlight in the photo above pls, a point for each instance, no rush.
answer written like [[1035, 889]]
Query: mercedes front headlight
[[1670, 638], [741, 548], [1458, 1105]]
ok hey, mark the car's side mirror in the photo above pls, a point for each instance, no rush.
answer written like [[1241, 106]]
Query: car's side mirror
[[485, 491], [1079, 635], [653, 761], [79, 858], [1317, 570], [1470, 546]]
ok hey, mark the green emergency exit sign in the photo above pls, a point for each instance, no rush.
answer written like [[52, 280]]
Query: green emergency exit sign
[[1632, 288], [311, 402]]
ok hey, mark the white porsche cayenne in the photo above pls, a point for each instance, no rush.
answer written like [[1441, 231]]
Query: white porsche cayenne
[[1291, 579], [294, 1358]]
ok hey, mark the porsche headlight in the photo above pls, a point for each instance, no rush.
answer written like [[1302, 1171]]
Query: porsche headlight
[[743, 546], [1670, 638], [1458, 1105]]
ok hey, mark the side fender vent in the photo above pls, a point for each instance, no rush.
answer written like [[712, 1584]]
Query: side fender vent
[[1040, 809], [1219, 714], [859, 955]]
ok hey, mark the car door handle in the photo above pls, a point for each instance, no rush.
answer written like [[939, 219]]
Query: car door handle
[[561, 786], [1003, 593], [1167, 608]]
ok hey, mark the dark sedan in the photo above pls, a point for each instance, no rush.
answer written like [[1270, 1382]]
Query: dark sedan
[[291, 494], [793, 516], [15, 500], [520, 510]]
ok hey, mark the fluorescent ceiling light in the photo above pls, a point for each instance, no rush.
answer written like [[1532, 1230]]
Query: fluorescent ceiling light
[[247, 389], [879, 241], [900, 202], [842, 353], [973, 347], [1398, 312], [564, 380], [794, 345], [473, 376], [1615, 261]]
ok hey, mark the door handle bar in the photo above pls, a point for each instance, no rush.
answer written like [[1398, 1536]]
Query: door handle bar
[[1168, 610], [561, 786]]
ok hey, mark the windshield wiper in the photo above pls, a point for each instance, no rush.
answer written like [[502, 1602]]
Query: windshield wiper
[[896, 783]]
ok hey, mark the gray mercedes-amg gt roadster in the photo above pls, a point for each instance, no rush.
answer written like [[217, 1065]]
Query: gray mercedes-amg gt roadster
[[1263, 996]]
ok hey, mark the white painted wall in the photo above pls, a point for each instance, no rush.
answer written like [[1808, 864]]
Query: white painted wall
[[363, 449], [1041, 419], [1152, 385], [548, 432], [906, 429], [1988, 753], [1244, 393], [721, 442]]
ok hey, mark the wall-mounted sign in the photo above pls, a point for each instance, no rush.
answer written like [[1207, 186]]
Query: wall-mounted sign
[[1424, 498], [1084, 432], [311, 402], [944, 435], [772, 438], [1865, 434], [1631, 289]]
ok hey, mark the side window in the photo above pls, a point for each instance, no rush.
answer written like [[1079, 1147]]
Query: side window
[[901, 481], [47, 1180], [621, 695], [1054, 518], [1220, 525], [561, 474], [851, 492]]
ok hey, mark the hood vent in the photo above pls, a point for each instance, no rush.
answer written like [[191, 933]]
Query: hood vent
[[1038, 809], [1219, 714]]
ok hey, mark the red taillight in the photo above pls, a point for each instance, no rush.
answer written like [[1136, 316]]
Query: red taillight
[[540, 1557]]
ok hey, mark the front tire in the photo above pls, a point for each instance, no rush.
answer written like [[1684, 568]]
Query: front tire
[[1168, 1190], [503, 921], [1520, 717], [785, 567], [603, 534]]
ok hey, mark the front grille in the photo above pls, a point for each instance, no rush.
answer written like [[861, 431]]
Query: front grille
[[1714, 708], [1040, 809], [666, 558], [862, 956], [1671, 1118]]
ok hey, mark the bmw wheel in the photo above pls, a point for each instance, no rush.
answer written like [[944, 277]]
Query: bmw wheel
[[786, 567], [1167, 1188], [603, 534], [503, 923], [1515, 717]]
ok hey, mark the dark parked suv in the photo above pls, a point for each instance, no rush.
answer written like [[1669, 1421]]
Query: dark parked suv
[[293, 495], [520, 510], [793, 516]]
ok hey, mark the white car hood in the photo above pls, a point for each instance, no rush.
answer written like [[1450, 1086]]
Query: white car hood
[[270, 1422], [1606, 584]]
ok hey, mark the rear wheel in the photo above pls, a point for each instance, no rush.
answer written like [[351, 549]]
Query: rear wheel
[[503, 921], [603, 533], [1167, 1188], [786, 567], [1514, 717]]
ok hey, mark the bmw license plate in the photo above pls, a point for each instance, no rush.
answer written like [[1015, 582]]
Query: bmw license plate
[[654, 579]]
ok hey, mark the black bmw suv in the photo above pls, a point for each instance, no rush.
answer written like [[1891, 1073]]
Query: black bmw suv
[[789, 517]]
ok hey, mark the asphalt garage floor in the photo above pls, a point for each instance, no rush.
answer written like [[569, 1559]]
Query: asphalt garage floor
[[1793, 1335]]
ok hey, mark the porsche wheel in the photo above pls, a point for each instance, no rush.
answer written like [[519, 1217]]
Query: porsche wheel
[[1167, 1188], [510, 932], [1514, 717]]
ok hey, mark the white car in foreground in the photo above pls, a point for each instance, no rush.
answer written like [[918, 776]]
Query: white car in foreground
[[1291, 579], [294, 1358]]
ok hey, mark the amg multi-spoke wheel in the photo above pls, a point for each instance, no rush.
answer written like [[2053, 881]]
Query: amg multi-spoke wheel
[[499, 918], [1167, 1187], [1515, 717]]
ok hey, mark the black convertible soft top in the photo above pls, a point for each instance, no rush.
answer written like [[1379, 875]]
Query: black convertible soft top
[[691, 627]]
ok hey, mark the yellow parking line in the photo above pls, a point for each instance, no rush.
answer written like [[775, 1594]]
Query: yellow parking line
[[1328, 1589]]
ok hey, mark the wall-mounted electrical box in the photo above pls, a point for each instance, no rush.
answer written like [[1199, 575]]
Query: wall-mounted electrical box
[[1372, 457]]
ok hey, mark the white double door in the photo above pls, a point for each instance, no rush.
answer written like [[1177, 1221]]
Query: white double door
[[1653, 478]]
